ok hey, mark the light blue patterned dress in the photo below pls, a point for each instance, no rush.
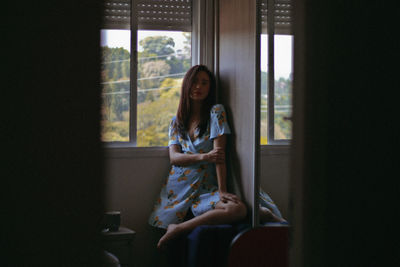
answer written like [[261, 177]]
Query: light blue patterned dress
[[194, 186]]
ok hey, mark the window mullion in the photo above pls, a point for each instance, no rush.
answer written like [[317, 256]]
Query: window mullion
[[271, 70], [195, 32], [203, 33], [133, 75], [216, 44], [208, 57]]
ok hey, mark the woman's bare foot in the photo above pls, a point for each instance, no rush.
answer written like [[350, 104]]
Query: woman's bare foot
[[268, 216], [173, 231]]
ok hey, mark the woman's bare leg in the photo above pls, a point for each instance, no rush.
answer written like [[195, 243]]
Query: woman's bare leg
[[228, 212], [268, 216]]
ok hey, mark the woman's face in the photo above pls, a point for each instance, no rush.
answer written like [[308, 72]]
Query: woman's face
[[200, 87]]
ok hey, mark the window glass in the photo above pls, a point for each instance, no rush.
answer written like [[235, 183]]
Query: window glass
[[115, 84], [282, 125], [163, 33], [163, 59], [264, 90], [283, 86]]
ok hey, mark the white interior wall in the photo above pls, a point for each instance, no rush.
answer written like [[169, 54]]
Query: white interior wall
[[274, 175], [134, 178], [133, 181]]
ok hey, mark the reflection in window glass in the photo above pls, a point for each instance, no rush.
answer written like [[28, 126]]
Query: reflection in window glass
[[264, 90], [282, 87], [115, 85], [163, 59]]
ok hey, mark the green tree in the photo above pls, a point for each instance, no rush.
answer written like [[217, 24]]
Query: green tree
[[187, 42], [115, 101], [283, 95], [176, 65], [151, 71], [187, 49], [159, 45], [154, 117], [264, 82], [282, 101], [155, 68], [115, 63]]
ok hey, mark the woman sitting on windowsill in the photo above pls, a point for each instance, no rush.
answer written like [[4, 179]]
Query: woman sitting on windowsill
[[197, 180]]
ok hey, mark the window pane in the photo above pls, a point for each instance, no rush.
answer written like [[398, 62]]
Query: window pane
[[115, 85], [264, 90], [283, 86], [163, 59]]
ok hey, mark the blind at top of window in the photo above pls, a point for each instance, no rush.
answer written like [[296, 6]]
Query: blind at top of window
[[283, 16], [151, 14]]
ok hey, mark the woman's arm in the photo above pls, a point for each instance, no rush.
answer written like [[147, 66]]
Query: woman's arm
[[220, 143], [178, 158]]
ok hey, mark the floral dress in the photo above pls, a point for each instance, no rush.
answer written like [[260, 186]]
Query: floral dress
[[194, 186]]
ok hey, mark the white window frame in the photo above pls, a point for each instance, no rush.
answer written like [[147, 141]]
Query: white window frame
[[271, 80]]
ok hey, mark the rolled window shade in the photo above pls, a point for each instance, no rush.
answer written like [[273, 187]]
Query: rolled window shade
[[165, 15], [283, 16], [116, 14], [151, 14]]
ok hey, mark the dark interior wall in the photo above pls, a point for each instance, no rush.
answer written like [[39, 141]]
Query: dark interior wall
[[347, 141], [52, 179], [237, 76]]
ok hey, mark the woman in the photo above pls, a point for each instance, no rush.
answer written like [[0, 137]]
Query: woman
[[197, 180]]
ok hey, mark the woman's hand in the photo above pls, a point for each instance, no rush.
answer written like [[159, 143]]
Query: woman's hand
[[217, 155], [225, 197]]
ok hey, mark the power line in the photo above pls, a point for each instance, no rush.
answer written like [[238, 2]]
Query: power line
[[143, 58], [277, 106], [112, 82], [163, 76], [117, 93], [277, 111], [139, 90], [155, 89], [122, 60], [146, 78]]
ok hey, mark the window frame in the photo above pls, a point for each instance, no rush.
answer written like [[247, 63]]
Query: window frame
[[271, 80], [202, 49]]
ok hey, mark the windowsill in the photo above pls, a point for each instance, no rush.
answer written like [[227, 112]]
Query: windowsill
[[275, 150], [121, 150]]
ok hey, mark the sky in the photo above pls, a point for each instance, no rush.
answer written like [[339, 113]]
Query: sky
[[283, 44], [282, 55], [122, 38]]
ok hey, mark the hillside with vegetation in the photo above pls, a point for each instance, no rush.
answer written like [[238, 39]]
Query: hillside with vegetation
[[160, 71]]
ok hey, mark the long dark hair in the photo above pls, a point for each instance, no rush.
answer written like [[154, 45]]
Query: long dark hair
[[184, 108]]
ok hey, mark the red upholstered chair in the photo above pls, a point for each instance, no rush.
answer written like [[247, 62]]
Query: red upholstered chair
[[262, 246]]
